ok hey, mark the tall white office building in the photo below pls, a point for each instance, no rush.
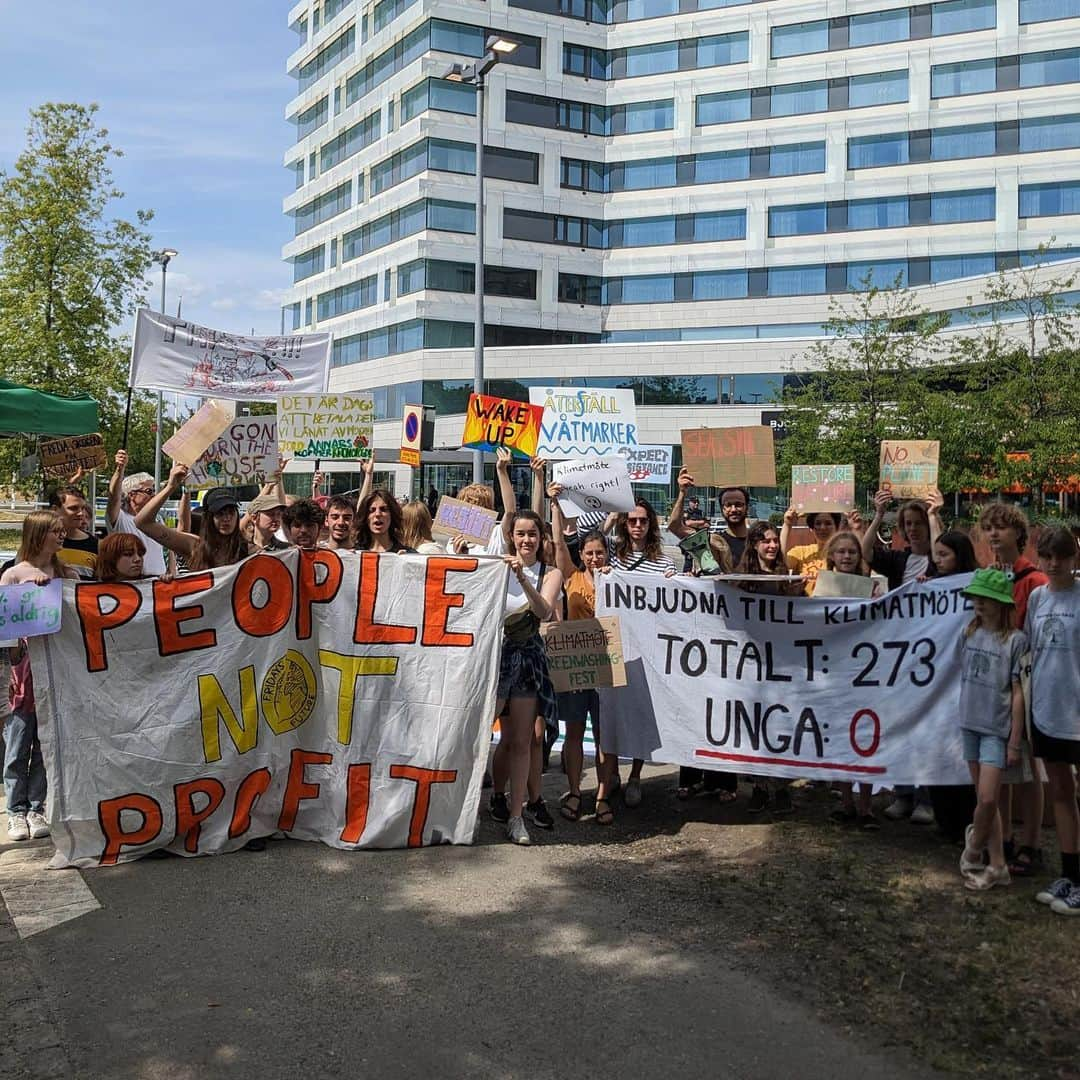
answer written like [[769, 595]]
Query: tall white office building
[[675, 188]]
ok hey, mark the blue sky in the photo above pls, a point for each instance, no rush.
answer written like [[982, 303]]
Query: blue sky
[[194, 93]]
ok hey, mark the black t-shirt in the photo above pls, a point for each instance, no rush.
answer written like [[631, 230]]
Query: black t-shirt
[[891, 563], [737, 545]]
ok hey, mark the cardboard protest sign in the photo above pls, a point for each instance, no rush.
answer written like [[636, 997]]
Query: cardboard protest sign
[[829, 488], [740, 456], [834, 583], [831, 689], [329, 427], [456, 518], [492, 421], [245, 453], [339, 698], [412, 429], [648, 464], [582, 422], [30, 610], [64, 457], [909, 467], [596, 484], [174, 354], [584, 653], [188, 442]]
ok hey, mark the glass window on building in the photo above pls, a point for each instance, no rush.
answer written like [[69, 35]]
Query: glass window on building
[[726, 108], [965, 77], [648, 289], [798, 39], [969, 141], [652, 59], [1049, 133], [1050, 68], [797, 220], [876, 274], [798, 159], [719, 225], [796, 99], [504, 164], [649, 116], [451, 216], [876, 151], [1049, 200], [881, 88], [953, 206], [646, 232], [753, 389], [1033, 11], [796, 280], [720, 284], [641, 175], [953, 267], [722, 49], [879, 27], [885, 213], [960, 16]]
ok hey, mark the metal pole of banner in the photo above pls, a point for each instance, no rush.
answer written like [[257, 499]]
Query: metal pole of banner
[[163, 257]]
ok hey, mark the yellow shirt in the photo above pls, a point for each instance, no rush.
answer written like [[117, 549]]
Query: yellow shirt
[[580, 595], [808, 559]]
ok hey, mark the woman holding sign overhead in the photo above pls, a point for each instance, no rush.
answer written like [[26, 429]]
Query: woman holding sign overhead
[[532, 592]]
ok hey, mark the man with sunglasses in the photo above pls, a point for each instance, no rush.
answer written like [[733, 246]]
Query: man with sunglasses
[[127, 496]]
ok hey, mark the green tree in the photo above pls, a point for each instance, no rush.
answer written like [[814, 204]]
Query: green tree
[[71, 272], [864, 384]]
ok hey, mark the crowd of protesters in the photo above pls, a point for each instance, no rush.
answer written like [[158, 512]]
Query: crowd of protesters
[[1023, 614]]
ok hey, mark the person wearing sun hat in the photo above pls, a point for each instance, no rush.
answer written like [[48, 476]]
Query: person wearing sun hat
[[220, 541], [991, 714], [265, 513]]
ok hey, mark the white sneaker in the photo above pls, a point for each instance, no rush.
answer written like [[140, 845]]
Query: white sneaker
[[516, 832], [988, 878], [899, 808], [922, 815], [39, 827], [17, 829], [632, 793]]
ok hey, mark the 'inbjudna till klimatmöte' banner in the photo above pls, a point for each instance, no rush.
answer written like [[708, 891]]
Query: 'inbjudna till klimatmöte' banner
[[346, 698]]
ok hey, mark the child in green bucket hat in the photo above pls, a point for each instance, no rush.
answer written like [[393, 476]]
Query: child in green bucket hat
[[992, 652]]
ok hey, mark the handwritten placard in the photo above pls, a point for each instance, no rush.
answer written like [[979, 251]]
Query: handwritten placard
[[494, 421], [245, 453], [909, 467], [327, 427], [583, 421], [648, 464], [64, 457], [584, 653], [190, 441], [30, 610], [740, 456], [833, 583], [457, 518], [593, 484], [816, 488]]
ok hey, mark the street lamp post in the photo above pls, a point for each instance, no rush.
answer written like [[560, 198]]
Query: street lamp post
[[163, 258], [494, 50]]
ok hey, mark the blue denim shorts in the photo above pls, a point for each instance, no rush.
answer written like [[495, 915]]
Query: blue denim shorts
[[985, 749]]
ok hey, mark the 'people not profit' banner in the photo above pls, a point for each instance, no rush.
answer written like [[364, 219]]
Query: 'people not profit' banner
[[344, 697], [788, 686]]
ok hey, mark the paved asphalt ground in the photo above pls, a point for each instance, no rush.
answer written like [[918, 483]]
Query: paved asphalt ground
[[554, 962]]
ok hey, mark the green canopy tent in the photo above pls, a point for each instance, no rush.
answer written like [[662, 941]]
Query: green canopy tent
[[24, 411]]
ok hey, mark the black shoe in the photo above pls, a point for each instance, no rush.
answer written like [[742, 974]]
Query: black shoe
[[759, 800], [499, 808], [782, 803], [537, 813], [258, 844]]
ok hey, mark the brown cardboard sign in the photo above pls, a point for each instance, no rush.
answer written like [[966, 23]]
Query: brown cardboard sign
[[909, 467], [741, 456], [584, 653], [62, 458], [456, 518]]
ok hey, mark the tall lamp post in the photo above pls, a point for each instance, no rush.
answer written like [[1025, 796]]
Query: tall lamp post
[[163, 258], [495, 48]]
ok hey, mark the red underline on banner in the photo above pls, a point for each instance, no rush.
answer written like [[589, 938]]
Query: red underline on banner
[[750, 759]]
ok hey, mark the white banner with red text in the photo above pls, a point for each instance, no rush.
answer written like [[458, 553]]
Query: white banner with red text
[[856, 690], [339, 697]]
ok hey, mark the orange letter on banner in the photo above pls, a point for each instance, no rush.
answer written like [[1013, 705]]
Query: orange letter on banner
[[109, 812], [356, 803], [311, 592], [423, 778], [438, 602], [188, 819], [247, 795], [274, 614], [94, 622], [167, 617], [368, 631], [297, 788]]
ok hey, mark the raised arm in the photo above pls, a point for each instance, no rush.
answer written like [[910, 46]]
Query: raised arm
[[539, 468], [183, 512], [563, 559], [183, 543], [791, 518], [116, 481], [368, 469], [506, 490], [933, 512], [676, 525], [882, 499]]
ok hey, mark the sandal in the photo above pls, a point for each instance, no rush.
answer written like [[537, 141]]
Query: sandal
[[1027, 862], [684, 793], [571, 810], [604, 814]]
